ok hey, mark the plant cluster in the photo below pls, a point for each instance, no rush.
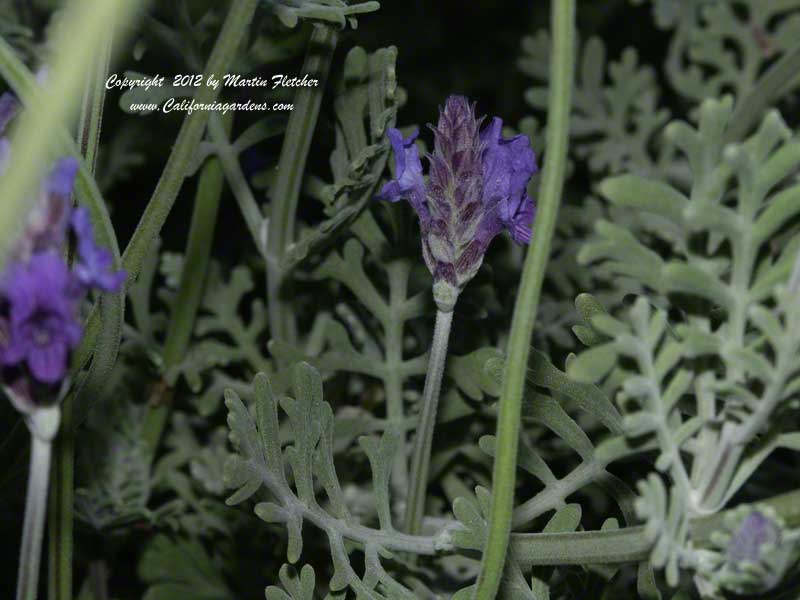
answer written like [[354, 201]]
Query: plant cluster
[[565, 369]]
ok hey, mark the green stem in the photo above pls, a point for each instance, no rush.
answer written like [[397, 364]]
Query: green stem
[[92, 109], [43, 424], [421, 459], [508, 422], [630, 544], [160, 205], [98, 578], [285, 193], [177, 168], [60, 519], [229, 160], [190, 289]]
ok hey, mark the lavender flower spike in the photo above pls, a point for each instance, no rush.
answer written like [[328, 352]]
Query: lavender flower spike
[[477, 187]]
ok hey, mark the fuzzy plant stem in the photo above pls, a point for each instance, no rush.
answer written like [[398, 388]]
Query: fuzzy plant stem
[[43, 424], [61, 518], [190, 291], [421, 457], [285, 194], [62, 497], [509, 418]]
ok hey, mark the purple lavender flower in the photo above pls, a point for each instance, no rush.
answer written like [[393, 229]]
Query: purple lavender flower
[[42, 321], [476, 188], [93, 267], [507, 168], [408, 168], [39, 294], [756, 531]]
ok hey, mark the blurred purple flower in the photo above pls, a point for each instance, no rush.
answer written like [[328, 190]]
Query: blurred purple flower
[[476, 188], [40, 295], [755, 531], [93, 267], [42, 316]]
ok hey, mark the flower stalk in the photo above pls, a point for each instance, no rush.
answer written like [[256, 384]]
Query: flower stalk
[[190, 290], [477, 188], [43, 425], [508, 422], [421, 458], [285, 194]]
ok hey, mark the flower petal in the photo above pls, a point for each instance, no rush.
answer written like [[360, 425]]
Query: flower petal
[[508, 165], [409, 183], [93, 268], [48, 363], [62, 177]]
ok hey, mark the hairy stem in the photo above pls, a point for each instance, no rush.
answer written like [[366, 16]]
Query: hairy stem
[[190, 289], [92, 108], [160, 205], [421, 458], [61, 518], [177, 168], [285, 193], [98, 578], [229, 162], [508, 422]]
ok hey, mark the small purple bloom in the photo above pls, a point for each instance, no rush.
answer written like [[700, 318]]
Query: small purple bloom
[[93, 267], [42, 322], [477, 186], [408, 169], [62, 178], [40, 295], [508, 165], [755, 531]]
